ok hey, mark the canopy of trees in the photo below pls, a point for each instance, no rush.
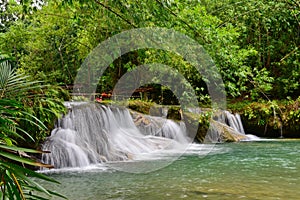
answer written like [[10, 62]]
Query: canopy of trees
[[255, 44]]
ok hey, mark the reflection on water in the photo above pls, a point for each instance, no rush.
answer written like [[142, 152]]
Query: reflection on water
[[252, 170]]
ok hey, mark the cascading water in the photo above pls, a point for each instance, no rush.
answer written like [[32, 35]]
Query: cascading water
[[92, 133], [161, 127], [232, 120], [227, 126]]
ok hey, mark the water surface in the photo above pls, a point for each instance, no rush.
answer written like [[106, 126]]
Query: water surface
[[246, 170]]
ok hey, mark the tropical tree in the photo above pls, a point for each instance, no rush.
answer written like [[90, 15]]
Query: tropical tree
[[254, 44], [272, 29], [15, 178]]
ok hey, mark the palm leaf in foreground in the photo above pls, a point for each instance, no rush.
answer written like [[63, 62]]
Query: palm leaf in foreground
[[16, 181]]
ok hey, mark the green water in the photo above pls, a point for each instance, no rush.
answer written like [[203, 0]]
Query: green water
[[250, 170]]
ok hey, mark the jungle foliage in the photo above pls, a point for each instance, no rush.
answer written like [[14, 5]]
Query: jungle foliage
[[254, 44]]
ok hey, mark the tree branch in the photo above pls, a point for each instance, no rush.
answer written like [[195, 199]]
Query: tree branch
[[287, 55], [184, 22], [117, 14]]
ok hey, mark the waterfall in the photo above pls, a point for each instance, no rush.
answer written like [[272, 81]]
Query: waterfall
[[160, 127], [232, 120], [93, 133], [226, 126]]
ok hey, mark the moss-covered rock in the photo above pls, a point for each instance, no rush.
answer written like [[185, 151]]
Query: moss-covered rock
[[196, 128], [174, 113], [140, 106]]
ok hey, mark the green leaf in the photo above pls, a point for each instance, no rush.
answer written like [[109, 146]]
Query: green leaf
[[20, 169], [23, 160], [22, 149]]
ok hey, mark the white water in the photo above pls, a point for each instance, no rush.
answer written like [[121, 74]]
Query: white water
[[232, 120], [91, 134], [235, 123]]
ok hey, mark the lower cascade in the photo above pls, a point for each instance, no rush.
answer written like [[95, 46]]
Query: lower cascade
[[226, 126], [93, 133]]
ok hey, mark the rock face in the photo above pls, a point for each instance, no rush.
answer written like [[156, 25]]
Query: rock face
[[220, 132], [270, 119], [160, 127], [174, 113], [222, 127]]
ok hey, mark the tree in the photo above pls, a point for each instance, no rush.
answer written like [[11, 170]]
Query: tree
[[271, 28], [253, 43], [12, 11]]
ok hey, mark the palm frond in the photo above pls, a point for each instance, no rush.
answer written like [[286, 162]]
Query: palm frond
[[15, 114], [25, 182], [14, 84]]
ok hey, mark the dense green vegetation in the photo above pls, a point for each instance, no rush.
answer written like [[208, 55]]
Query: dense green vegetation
[[270, 118], [255, 45], [22, 102]]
